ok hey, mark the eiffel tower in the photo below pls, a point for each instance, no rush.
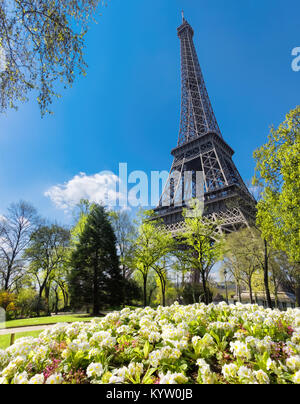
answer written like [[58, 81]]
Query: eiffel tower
[[202, 149]]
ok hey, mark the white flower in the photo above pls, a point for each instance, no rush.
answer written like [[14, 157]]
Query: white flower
[[206, 375], [21, 378], [3, 358], [172, 378], [135, 369], [296, 377], [230, 371], [103, 339], [262, 377], [245, 375], [293, 363], [240, 349], [271, 365], [56, 378], [10, 370], [195, 340], [37, 379], [95, 370], [124, 329], [154, 337], [120, 373], [3, 380], [116, 380]]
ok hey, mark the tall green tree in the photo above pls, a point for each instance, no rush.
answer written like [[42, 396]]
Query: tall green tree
[[46, 253], [151, 245], [278, 172], [204, 244], [95, 277], [161, 268], [241, 250], [41, 43]]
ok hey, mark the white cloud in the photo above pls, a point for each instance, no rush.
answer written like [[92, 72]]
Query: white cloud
[[100, 188]]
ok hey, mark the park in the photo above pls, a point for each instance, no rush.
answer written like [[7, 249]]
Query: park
[[192, 275]]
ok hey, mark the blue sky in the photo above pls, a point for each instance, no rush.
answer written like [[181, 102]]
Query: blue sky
[[127, 108]]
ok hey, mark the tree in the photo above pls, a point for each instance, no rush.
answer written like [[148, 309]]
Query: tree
[[15, 230], [60, 280], [45, 254], [231, 266], [26, 302], [204, 244], [257, 195], [241, 251], [277, 170], [161, 269], [194, 293], [95, 278], [151, 245], [125, 234], [42, 43]]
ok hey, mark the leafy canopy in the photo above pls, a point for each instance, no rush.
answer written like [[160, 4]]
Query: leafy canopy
[[278, 171], [41, 42]]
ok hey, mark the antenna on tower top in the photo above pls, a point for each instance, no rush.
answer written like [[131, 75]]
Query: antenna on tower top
[[182, 13]]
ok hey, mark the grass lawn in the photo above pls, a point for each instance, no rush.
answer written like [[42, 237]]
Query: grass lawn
[[45, 320], [5, 339]]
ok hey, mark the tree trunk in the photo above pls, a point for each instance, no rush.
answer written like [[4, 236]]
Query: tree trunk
[[47, 295], [96, 307], [206, 297], [56, 302], [297, 293], [239, 292], [275, 291], [163, 292], [250, 292], [38, 311], [145, 290], [7, 278], [266, 275], [66, 303], [64, 296]]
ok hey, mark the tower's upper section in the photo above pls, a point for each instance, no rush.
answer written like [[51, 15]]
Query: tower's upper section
[[197, 116]]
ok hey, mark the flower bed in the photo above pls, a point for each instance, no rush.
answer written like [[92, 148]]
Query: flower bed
[[174, 345]]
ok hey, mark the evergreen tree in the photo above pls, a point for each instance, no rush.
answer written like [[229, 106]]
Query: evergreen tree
[[95, 277]]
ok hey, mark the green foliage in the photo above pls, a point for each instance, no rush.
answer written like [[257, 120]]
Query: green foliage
[[26, 302], [194, 293], [95, 277], [46, 254], [243, 252], [132, 291], [278, 171], [204, 242], [42, 43], [151, 247], [8, 303]]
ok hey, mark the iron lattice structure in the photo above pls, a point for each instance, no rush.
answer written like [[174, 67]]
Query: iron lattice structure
[[202, 149]]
